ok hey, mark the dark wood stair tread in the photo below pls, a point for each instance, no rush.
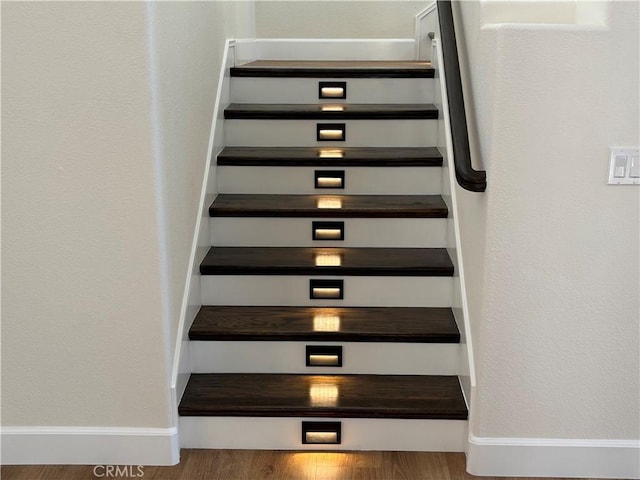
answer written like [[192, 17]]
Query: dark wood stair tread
[[321, 157], [314, 111], [349, 324], [302, 261], [354, 206], [334, 69], [358, 396]]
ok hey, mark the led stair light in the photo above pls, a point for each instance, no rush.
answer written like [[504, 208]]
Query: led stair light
[[328, 178], [326, 289], [327, 231], [324, 356], [318, 433], [332, 90], [331, 132]]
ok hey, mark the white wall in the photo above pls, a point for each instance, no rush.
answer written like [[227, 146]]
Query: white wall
[[337, 19], [525, 11], [551, 250], [82, 336], [106, 112], [188, 40]]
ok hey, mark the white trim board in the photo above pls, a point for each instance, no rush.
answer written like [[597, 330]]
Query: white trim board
[[425, 22], [541, 457], [89, 446], [191, 301], [449, 193], [325, 49]]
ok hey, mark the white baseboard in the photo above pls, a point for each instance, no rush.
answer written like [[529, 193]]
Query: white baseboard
[[89, 446], [325, 49], [191, 301], [540, 457]]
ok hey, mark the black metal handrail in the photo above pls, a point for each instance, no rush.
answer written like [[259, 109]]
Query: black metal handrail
[[468, 178]]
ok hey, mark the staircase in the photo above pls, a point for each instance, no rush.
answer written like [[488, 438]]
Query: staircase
[[327, 291]]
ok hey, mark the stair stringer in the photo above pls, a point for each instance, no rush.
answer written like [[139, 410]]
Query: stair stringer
[[449, 184], [192, 301]]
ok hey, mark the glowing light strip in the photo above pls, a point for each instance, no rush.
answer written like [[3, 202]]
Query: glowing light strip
[[332, 92], [328, 233], [329, 182], [326, 292], [330, 134], [321, 437]]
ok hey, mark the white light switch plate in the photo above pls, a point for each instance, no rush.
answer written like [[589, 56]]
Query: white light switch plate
[[624, 166]]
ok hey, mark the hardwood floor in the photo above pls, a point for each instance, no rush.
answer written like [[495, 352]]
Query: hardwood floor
[[275, 465]]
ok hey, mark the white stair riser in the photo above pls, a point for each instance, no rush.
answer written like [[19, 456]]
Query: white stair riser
[[303, 133], [305, 90], [357, 434], [358, 232], [357, 358], [293, 290], [358, 180]]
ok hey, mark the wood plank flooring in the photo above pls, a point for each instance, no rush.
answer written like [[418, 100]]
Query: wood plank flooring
[[279, 465], [358, 396], [332, 156], [329, 206], [407, 262], [346, 324]]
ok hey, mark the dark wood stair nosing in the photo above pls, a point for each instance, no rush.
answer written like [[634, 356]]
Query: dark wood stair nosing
[[355, 261], [333, 73], [310, 157], [359, 396], [296, 324], [323, 337], [306, 206], [266, 111]]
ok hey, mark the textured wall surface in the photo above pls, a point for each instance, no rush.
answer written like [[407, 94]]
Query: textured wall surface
[[82, 336], [187, 46], [551, 249], [337, 19], [106, 114]]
